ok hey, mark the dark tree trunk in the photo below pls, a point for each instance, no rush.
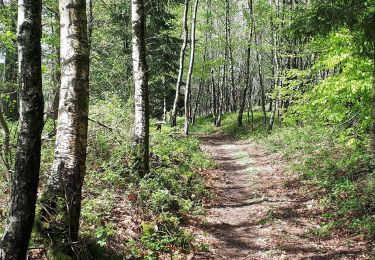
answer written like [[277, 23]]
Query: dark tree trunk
[[10, 104], [244, 95], [53, 109], [25, 178], [373, 105], [5, 153], [221, 99], [197, 102], [261, 84]]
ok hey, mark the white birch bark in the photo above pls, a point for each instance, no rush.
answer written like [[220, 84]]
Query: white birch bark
[[185, 36], [69, 164], [191, 66], [141, 98]]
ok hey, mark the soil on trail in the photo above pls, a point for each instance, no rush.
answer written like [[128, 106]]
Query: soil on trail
[[262, 211]]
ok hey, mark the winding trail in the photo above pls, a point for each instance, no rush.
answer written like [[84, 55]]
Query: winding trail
[[262, 211]]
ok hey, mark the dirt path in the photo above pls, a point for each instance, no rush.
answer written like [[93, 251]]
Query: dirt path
[[262, 212]]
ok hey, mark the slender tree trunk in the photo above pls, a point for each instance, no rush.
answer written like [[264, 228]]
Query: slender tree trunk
[[25, 179], [233, 101], [90, 21], [274, 103], [5, 156], [373, 105], [181, 66], [164, 109], [197, 102], [10, 104], [191, 66], [261, 84], [221, 99], [244, 95], [247, 79], [53, 110], [141, 97], [214, 96], [69, 165]]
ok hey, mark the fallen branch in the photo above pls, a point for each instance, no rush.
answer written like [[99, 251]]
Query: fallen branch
[[101, 124]]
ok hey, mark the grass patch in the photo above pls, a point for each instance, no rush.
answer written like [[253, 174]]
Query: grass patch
[[230, 127], [342, 169]]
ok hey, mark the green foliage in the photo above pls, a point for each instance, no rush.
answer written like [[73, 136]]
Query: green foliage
[[344, 97], [230, 127], [163, 234], [342, 169], [164, 198], [111, 61], [172, 191]]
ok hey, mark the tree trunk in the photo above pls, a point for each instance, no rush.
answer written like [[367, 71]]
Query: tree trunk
[[142, 113], [53, 109], [274, 103], [181, 66], [373, 106], [247, 79], [261, 84], [69, 165], [197, 102], [90, 21], [10, 104], [214, 97], [221, 99], [232, 100], [24, 181], [244, 95], [5, 156], [191, 66]]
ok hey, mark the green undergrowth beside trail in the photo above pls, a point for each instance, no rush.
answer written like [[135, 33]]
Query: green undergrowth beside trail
[[331, 158], [229, 127], [125, 216]]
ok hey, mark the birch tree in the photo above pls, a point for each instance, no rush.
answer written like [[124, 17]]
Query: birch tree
[[24, 181], [191, 66], [69, 165], [185, 36], [141, 97]]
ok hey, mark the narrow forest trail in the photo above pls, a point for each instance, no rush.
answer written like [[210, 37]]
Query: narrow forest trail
[[261, 211]]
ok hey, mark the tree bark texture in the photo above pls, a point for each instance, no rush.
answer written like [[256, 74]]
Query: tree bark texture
[[141, 98], [69, 166], [24, 181]]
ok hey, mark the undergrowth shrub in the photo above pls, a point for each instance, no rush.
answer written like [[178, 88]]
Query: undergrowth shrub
[[172, 191], [341, 166], [157, 204]]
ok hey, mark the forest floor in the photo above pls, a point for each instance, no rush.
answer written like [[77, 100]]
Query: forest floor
[[263, 211]]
